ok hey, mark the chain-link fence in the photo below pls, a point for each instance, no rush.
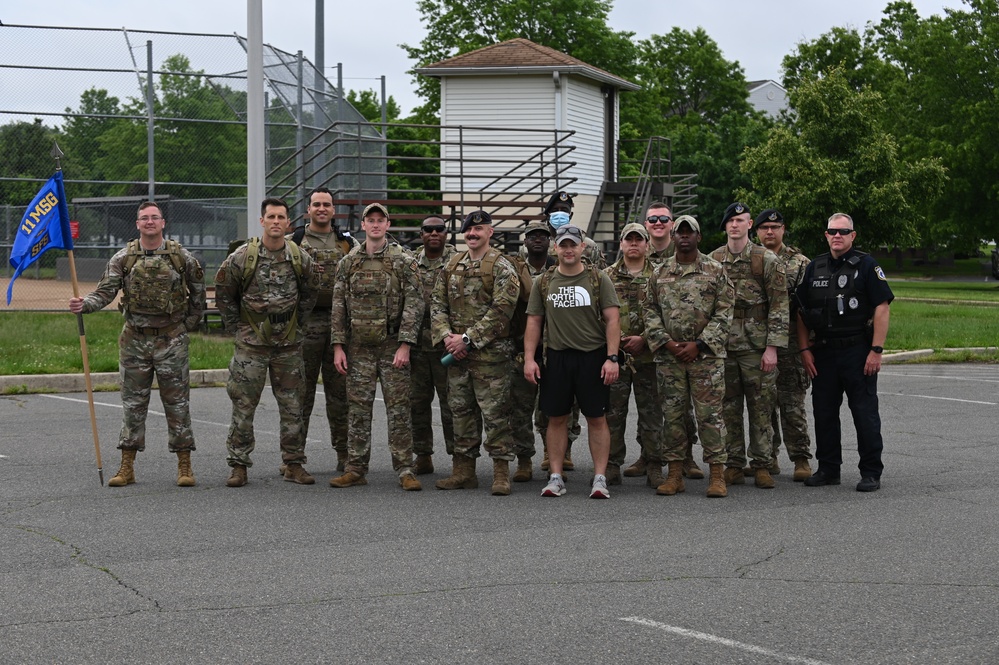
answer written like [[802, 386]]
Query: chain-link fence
[[149, 115]]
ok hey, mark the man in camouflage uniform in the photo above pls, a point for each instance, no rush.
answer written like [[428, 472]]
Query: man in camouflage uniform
[[428, 374], [377, 310], [687, 318], [163, 297], [792, 379], [326, 245], [630, 275], [524, 394], [471, 314], [265, 290], [759, 328], [659, 224]]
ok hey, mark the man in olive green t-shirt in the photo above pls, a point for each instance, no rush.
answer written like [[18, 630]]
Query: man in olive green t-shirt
[[578, 308]]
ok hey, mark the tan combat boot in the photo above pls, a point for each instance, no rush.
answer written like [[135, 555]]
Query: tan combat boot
[[763, 479], [716, 482], [462, 475], [545, 464], [613, 474], [636, 470], [734, 476], [126, 473], [674, 480], [691, 470], [185, 476], [348, 479], [409, 483], [424, 465], [525, 470], [567, 463], [654, 474], [296, 473], [501, 477], [238, 477], [802, 470]]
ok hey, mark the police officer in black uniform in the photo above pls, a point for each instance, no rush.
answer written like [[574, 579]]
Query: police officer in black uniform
[[844, 301]]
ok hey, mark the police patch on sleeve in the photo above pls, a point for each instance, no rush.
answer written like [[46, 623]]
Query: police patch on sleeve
[[880, 273]]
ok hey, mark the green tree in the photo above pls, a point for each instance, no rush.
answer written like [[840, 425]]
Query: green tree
[[855, 53], [25, 152], [576, 27], [837, 156]]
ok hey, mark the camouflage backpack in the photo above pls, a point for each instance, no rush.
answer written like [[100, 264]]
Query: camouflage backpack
[[147, 289], [261, 322], [518, 322]]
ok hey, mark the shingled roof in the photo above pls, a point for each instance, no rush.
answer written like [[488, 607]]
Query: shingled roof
[[520, 56]]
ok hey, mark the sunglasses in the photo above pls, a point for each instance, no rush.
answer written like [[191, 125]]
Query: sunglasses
[[665, 219], [434, 229], [839, 232]]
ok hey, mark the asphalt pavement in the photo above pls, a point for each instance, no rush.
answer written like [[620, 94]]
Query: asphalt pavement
[[281, 573]]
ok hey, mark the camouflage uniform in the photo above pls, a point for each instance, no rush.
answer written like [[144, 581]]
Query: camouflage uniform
[[427, 372], [524, 395], [479, 385], [267, 317], [326, 250], [684, 303], [640, 372], [759, 319], [377, 305], [792, 379], [159, 311]]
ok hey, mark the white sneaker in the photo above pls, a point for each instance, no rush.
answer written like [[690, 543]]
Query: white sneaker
[[555, 486], [599, 490]]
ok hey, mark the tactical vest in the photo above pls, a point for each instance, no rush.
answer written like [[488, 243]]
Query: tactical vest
[[484, 271], [374, 294], [328, 259], [154, 282], [834, 306], [261, 322], [629, 292], [757, 311]]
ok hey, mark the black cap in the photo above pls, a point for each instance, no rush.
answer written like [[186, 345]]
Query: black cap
[[733, 210], [475, 218], [771, 215], [557, 198]]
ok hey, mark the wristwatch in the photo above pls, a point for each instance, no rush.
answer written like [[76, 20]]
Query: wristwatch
[[466, 341], [612, 357], [878, 349]]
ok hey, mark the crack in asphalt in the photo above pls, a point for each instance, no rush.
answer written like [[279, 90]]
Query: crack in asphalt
[[743, 570]]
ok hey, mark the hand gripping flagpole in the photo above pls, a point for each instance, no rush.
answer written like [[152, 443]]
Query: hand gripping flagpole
[[57, 155]]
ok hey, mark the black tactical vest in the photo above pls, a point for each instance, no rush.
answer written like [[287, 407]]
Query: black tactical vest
[[834, 306]]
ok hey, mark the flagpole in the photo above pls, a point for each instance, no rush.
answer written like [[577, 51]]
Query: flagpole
[[57, 154]]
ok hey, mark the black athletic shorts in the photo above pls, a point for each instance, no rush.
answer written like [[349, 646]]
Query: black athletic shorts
[[574, 375]]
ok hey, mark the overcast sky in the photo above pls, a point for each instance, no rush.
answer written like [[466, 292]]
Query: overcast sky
[[365, 35]]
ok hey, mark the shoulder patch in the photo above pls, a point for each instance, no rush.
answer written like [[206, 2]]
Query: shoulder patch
[[880, 273]]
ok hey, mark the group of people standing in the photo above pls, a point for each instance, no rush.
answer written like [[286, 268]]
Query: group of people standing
[[511, 344]]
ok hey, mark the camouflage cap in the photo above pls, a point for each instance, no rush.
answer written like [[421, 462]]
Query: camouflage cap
[[476, 218], [537, 226], [374, 206], [635, 228], [732, 210], [689, 221]]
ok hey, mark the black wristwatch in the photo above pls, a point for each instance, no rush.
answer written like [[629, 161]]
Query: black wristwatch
[[613, 358], [878, 349]]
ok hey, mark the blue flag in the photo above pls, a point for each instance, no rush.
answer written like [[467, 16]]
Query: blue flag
[[44, 226]]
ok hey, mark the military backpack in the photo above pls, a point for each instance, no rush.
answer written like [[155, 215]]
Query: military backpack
[[518, 322]]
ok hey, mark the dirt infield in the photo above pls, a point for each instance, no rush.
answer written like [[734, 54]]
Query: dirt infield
[[43, 294]]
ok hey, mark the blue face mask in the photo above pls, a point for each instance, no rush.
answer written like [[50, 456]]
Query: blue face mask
[[558, 219]]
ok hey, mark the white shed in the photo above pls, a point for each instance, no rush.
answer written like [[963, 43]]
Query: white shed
[[506, 92]]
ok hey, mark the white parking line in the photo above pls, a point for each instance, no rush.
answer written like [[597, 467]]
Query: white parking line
[[946, 399], [935, 376], [707, 637]]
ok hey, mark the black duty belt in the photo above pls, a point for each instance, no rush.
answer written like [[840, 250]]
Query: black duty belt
[[281, 318], [322, 308], [841, 342], [155, 331]]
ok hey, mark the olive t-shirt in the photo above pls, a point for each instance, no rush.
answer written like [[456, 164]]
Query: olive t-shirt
[[572, 311]]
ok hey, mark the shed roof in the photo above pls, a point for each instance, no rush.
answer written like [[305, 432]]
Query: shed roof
[[520, 56]]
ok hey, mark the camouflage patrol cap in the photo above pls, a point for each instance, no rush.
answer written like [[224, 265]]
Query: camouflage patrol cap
[[537, 226], [770, 215], [558, 198], [374, 206], [635, 228], [689, 221], [733, 210], [476, 218]]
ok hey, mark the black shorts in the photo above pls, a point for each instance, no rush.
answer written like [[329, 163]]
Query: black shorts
[[574, 376]]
